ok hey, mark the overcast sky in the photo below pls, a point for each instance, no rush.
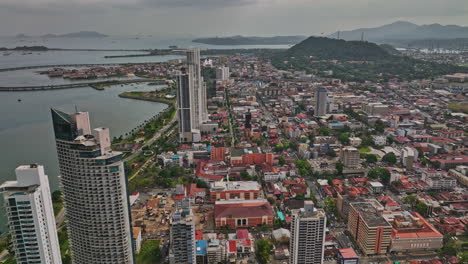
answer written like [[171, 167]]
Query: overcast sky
[[187, 18]]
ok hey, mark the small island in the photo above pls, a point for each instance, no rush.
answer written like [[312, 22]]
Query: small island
[[243, 40]]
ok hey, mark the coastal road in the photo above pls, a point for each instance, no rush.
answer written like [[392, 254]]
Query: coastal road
[[152, 140]]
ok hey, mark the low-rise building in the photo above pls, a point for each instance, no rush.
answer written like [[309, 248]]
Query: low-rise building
[[244, 213], [411, 232], [231, 190]]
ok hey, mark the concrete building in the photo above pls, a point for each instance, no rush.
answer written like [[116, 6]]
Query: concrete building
[[307, 241], [412, 233], [379, 140], [347, 256], [182, 238], [321, 96], [30, 216], [375, 109], [350, 157], [408, 157], [231, 190], [438, 180], [95, 193], [369, 229], [243, 213], [200, 110], [222, 73], [137, 239], [185, 108]]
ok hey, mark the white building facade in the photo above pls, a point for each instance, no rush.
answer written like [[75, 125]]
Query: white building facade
[[95, 192], [31, 217], [307, 243]]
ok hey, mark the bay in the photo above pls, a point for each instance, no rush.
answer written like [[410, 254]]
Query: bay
[[26, 133]]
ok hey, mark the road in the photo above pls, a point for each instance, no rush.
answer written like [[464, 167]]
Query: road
[[152, 140]]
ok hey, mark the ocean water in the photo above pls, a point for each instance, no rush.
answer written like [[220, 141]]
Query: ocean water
[[26, 134]]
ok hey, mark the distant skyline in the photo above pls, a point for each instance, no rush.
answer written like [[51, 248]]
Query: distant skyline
[[191, 18]]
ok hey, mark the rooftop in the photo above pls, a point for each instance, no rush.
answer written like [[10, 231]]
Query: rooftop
[[235, 186], [370, 215]]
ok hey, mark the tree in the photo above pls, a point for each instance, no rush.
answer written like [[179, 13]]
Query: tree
[[463, 257], [331, 153], [390, 158], [379, 126], [411, 200], [371, 158], [300, 196], [344, 138], [380, 173], [245, 176], [57, 196], [263, 249], [421, 208], [339, 168], [281, 161]]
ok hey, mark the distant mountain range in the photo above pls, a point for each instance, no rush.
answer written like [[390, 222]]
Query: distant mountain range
[[81, 34], [243, 40], [404, 31]]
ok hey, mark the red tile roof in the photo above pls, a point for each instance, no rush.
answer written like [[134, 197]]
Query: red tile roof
[[243, 209]]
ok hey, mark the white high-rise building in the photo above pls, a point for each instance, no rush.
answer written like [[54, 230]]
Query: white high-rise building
[[94, 189], [30, 214], [307, 235], [321, 101], [182, 238], [222, 73], [196, 84]]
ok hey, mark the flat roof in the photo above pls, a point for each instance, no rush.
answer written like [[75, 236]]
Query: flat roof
[[370, 215], [347, 253]]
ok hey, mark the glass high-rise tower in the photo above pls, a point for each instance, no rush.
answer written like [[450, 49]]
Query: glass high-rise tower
[[95, 191]]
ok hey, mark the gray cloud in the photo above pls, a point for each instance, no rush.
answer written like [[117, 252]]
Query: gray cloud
[[220, 17]]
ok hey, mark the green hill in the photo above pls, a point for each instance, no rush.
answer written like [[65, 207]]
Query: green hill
[[330, 49], [357, 61]]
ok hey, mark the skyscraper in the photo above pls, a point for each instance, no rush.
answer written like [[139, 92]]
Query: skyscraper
[[183, 242], [307, 235], [321, 101], [184, 106], [30, 216], [196, 84], [94, 189], [191, 99]]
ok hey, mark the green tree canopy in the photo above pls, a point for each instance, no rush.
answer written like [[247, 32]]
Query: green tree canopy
[[371, 158], [380, 173], [263, 249], [390, 158]]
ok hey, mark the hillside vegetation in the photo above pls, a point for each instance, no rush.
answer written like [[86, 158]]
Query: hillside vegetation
[[357, 61]]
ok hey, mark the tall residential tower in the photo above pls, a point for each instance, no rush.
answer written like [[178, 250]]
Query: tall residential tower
[[321, 101], [307, 235], [191, 99], [95, 192], [31, 217]]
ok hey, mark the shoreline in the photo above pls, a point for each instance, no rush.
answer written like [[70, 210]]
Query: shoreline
[[156, 100]]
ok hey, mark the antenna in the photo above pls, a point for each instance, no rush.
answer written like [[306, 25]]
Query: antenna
[[338, 34], [362, 36], [76, 109]]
